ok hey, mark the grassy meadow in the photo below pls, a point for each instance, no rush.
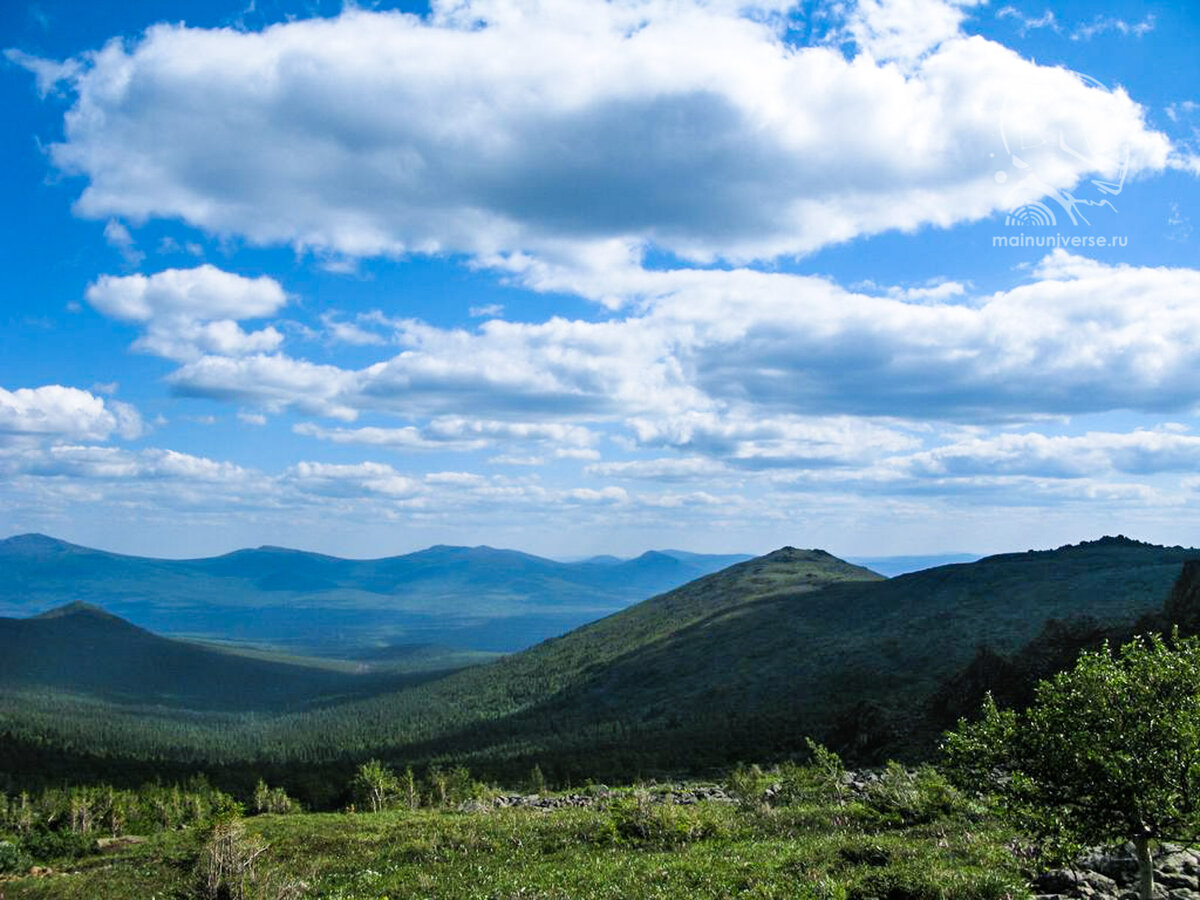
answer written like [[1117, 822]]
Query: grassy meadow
[[793, 833]]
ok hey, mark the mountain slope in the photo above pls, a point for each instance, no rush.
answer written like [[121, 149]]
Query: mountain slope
[[738, 665], [439, 709], [81, 649], [611, 678], [892, 566], [724, 594], [855, 662], [476, 598], [753, 659]]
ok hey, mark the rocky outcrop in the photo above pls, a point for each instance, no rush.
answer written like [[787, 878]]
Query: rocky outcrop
[[1112, 875], [600, 796]]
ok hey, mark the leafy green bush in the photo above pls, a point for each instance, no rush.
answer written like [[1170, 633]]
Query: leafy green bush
[[450, 787], [826, 764], [375, 786], [536, 782], [904, 797], [892, 885], [274, 800], [1108, 752], [167, 808], [12, 858], [821, 780], [747, 785], [865, 855], [18, 814], [592, 789], [641, 822], [46, 846]]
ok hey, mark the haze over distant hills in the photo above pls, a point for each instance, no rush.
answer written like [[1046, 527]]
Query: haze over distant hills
[[903, 565], [82, 649], [742, 663], [477, 598]]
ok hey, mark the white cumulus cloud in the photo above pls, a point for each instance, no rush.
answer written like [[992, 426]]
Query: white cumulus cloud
[[764, 369], [553, 127], [65, 413], [192, 312]]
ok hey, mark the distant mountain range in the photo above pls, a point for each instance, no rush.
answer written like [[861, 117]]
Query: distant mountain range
[[475, 598], [741, 664]]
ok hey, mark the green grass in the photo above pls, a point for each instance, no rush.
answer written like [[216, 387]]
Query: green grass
[[815, 851]]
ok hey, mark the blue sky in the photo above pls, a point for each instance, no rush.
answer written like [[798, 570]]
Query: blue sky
[[887, 276]]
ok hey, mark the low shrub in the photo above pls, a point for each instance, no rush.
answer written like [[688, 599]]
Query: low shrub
[[273, 800], [230, 867], [903, 797], [641, 822], [915, 882], [46, 846], [13, 858], [748, 786]]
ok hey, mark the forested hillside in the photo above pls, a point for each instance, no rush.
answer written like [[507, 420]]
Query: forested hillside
[[81, 649], [745, 663]]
